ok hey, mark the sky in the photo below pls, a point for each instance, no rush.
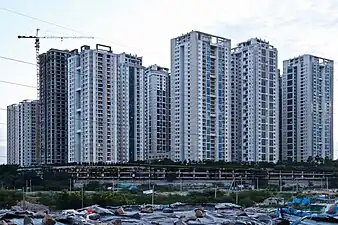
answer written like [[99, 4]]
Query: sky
[[146, 27]]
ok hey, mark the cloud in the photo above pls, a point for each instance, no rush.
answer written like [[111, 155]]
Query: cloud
[[295, 28]]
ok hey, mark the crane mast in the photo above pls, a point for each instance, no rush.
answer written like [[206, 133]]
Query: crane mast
[[37, 52]]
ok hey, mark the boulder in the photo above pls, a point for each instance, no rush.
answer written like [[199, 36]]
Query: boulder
[[94, 216], [48, 220], [29, 206], [119, 211], [147, 209], [199, 213], [168, 210], [117, 222]]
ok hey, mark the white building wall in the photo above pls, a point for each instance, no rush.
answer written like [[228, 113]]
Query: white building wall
[[92, 105], [132, 109], [307, 116], [199, 95], [13, 153], [255, 102], [22, 131], [158, 92]]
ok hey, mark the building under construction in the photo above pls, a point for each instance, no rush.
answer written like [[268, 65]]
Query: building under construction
[[53, 99]]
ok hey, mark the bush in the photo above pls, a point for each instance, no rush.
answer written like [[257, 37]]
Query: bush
[[66, 200], [9, 198]]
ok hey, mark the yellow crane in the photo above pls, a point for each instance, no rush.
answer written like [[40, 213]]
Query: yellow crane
[[37, 50]]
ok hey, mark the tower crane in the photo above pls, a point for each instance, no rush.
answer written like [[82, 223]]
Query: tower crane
[[37, 50]]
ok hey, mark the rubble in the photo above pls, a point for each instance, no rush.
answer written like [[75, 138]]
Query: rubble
[[178, 214]]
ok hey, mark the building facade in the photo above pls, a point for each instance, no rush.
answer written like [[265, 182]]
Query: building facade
[[22, 131], [92, 119], [13, 152], [307, 102], [200, 113], [158, 80], [132, 112], [53, 99], [254, 102]]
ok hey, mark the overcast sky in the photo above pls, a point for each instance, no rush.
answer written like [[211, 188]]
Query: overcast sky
[[145, 27]]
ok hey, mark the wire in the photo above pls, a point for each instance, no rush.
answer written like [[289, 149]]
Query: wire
[[17, 60], [62, 26], [18, 84]]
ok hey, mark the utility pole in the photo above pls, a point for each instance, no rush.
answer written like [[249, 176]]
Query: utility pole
[[152, 196], [321, 183], [30, 185], [149, 178], [327, 184], [181, 186], [70, 184], [236, 197], [215, 191], [82, 196], [23, 198]]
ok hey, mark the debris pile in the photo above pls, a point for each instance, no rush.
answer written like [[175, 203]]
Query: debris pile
[[179, 214]]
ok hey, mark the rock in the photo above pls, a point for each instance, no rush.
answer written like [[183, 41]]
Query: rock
[[117, 222], [147, 209], [48, 220], [241, 213], [280, 221], [10, 222], [119, 211], [24, 205], [27, 221], [180, 222], [189, 218], [39, 215], [199, 213], [168, 210], [94, 216], [17, 208], [135, 216]]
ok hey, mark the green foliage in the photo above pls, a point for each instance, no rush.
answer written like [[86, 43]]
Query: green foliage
[[10, 178], [93, 186], [246, 202], [66, 200], [9, 198]]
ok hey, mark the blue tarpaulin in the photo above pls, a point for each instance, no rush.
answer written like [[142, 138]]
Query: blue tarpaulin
[[301, 201]]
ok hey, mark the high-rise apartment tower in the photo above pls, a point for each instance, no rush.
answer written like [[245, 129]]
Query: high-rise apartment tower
[[21, 133], [92, 119], [158, 108], [254, 102], [200, 111], [132, 112], [307, 101], [53, 100]]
